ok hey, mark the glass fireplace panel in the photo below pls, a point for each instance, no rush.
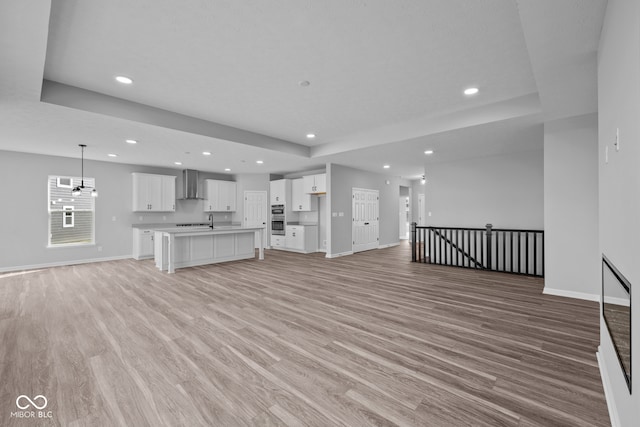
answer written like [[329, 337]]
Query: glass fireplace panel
[[616, 309]]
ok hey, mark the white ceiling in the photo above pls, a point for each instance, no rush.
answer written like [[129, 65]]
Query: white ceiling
[[386, 79]]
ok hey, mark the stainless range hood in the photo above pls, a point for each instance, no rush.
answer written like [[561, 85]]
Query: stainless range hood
[[190, 190]]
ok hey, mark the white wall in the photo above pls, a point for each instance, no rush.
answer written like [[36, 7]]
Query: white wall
[[504, 190], [619, 185], [572, 258]]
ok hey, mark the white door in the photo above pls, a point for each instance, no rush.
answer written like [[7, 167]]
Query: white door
[[365, 210], [255, 211], [421, 208]]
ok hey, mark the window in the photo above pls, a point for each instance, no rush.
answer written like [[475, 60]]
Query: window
[[67, 216], [71, 218]]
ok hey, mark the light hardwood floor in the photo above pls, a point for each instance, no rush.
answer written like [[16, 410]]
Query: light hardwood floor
[[368, 339]]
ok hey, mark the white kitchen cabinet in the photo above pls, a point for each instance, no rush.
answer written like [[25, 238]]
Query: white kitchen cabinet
[[220, 196], [168, 193], [315, 184], [301, 201], [278, 242], [302, 238], [280, 191], [154, 193], [142, 243]]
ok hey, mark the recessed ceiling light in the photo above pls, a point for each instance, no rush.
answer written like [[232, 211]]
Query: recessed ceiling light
[[131, 141], [124, 80], [227, 170], [428, 152], [386, 166], [112, 155], [304, 83], [259, 162], [471, 91], [206, 153], [311, 135], [177, 163]]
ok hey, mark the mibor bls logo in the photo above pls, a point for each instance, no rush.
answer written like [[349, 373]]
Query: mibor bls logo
[[31, 407]]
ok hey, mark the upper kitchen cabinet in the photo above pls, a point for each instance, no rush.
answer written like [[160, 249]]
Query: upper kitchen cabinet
[[301, 201], [315, 184], [280, 192], [220, 196], [154, 193]]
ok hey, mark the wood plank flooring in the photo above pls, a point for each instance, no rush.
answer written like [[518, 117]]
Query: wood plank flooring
[[297, 340]]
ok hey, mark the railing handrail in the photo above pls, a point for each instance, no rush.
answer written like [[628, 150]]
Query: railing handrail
[[521, 230], [449, 228]]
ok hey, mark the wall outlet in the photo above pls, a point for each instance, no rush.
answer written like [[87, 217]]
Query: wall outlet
[[334, 214], [164, 217], [341, 214], [429, 213], [99, 248], [139, 218]]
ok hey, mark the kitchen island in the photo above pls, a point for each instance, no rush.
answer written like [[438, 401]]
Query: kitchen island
[[179, 248]]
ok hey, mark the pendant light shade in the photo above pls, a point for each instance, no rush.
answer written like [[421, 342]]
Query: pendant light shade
[[76, 191]]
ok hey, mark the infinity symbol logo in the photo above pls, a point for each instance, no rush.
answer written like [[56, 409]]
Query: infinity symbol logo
[[31, 402]]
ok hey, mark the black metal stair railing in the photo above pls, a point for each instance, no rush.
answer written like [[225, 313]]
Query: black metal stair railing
[[506, 250]]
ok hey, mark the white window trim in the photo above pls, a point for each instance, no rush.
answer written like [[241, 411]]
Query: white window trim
[[67, 212], [61, 185], [73, 244]]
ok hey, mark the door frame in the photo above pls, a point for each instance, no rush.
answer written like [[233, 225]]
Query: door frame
[[377, 244], [267, 222]]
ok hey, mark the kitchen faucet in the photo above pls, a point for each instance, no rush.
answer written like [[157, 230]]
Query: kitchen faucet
[[211, 219]]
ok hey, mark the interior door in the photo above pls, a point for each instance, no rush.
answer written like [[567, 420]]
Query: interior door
[[365, 229], [255, 211]]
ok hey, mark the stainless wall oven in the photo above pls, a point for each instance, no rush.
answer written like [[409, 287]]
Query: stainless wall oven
[[277, 220]]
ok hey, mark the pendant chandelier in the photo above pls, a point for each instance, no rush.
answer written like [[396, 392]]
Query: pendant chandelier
[[78, 190]]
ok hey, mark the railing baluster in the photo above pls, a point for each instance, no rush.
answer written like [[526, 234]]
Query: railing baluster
[[464, 247], [526, 257], [450, 254], [511, 251], [535, 253], [542, 254], [518, 252], [504, 251], [440, 246]]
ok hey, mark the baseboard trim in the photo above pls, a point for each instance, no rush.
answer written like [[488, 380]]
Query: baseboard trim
[[389, 245], [571, 294], [608, 393], [61, 263], [339, 254]]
